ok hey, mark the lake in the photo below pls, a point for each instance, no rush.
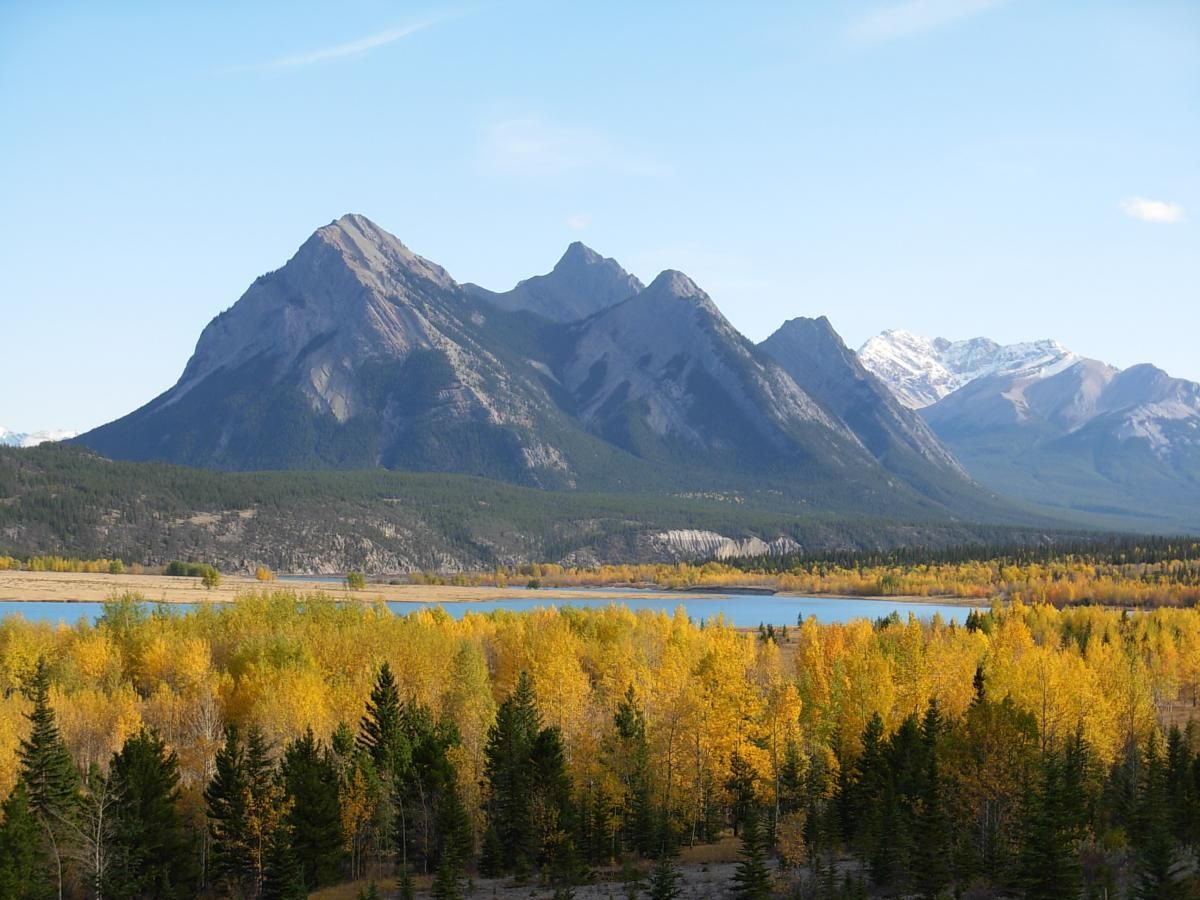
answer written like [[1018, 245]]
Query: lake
[[743, 610]]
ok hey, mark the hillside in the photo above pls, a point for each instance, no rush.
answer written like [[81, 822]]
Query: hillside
[[66, 500]]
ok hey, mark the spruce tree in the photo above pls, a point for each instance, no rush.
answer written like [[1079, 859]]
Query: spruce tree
[[1048, 865], [509, 775], [931, 853], [152, 848], [1154, 845], [752, 878], [380, 732], [665, 879], [46, 768], [21, 869], [48, 772], [283, 869], [225, 796], [311, 784]]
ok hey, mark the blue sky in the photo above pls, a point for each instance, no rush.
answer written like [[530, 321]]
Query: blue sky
[[1017, 169]]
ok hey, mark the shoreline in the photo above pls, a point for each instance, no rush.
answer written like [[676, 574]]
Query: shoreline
[[82, 587]]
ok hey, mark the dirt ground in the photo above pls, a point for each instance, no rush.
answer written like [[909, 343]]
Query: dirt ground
[[84, 587]]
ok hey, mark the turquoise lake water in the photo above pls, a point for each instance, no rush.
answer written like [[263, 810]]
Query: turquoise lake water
[[743, 610]]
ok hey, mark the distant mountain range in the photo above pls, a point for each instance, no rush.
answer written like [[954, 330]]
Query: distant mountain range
[[359, 353], [1073, 435], [32, 438]]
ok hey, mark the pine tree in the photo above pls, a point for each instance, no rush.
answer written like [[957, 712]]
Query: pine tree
[[1154, 846], [49, 774], [664, 881], [311, 783], [46, 768], [152, 848], [931, 854], [752, 878], [509, 775], [283, 870], [21, 869], [1048, 865], [225, 796], [380, 732]]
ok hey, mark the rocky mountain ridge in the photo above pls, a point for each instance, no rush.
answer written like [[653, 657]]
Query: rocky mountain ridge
[[359, 353]]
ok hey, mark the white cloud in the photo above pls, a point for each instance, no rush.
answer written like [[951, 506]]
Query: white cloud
[[901, 20], [1158, 211], [357, 47], [529, 145], [578, 221]]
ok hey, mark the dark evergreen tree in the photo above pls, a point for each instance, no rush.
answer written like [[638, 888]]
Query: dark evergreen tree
[[311, 784], [665, 879], [152, 850], [225, 796], [46, 768], [509, 776], [932, 850], [554, 820], [1153, 843], [49, 774], [1048, 864], [22, 873], [283, 868], [752, 877], [381, 731]]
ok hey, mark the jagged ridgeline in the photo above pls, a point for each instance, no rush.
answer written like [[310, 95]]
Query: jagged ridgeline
[[360, 354]]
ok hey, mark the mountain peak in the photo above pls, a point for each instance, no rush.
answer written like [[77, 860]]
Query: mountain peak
[[368, 249], [581, 284], [674, 283], [579, 254]]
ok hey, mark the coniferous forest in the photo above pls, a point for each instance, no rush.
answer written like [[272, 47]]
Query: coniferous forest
[[282, 744]]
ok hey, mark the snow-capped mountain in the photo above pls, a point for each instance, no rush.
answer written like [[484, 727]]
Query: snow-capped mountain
[[32, 438], [921, 371], [1041, 423]]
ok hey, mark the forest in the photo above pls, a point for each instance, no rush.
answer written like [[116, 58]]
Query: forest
[[270, 746]]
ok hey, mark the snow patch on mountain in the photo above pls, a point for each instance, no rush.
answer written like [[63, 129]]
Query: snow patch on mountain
[[921, 371]]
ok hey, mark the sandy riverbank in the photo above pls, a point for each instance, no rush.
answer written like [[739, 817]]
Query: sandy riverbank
[[95, 588]]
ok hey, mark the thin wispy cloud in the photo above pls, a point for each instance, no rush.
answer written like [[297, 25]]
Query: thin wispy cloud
[[1159, 212], [347, 50], [578, 221], [913, 17], [528, 145]]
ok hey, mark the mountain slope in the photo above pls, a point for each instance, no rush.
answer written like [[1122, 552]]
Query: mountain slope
[[813, 353], [582, 283], [1078, 437]]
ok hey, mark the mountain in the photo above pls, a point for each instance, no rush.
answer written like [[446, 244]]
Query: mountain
[[817, 359], [32, 438], [1076, 436], [358, 353], [582, 283], [921, 371]]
